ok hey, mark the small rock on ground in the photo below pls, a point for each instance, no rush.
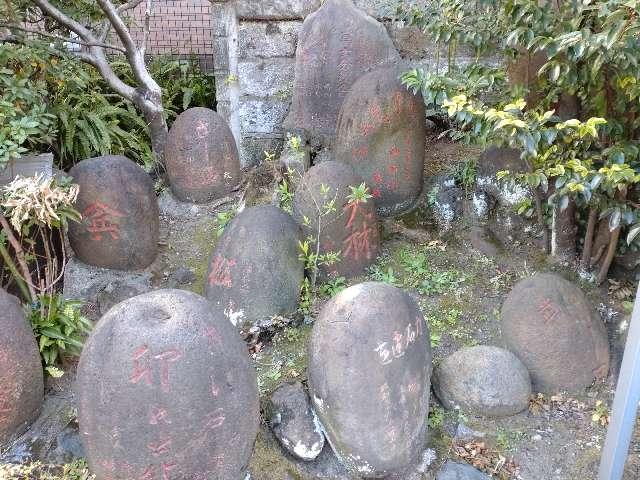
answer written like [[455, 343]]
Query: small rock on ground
[[460, 471]]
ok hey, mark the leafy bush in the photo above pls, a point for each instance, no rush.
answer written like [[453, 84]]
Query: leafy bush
[[59, 328]]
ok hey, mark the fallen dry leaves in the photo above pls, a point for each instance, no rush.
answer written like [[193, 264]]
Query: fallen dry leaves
[[487, 459]]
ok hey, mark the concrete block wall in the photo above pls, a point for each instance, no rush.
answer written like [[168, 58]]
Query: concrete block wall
[[254, 57]]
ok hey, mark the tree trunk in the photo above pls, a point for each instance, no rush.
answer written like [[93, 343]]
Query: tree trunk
[[621, 195], [540, 217], [563, 232], [151, 107], [585, 261]]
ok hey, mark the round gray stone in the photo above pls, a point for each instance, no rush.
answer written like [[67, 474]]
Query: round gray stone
[[483, 380], [369, 372], [254, 271], [460, 471], [21, 378], [550, 325], [166, 389]]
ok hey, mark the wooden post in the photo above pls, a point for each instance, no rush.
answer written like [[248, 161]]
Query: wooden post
[[625, 404]]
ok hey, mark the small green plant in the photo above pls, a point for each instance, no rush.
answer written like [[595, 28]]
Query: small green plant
[[285, 196], [601, 413], [294, 142], [436, 418], [505, 439], [59, 327], [379, 274], [333, 287], [466, 173], [223, 219]]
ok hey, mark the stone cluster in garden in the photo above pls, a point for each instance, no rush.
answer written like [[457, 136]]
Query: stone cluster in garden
[[166, 386]]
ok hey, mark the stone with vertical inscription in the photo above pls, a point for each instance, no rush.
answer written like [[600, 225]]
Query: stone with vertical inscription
[[381, 133], [201, 157], [350, 228], [120, 217], [254, 271], [21, 379], [166, 390], [337, 44], [369, 378], [550, 325]]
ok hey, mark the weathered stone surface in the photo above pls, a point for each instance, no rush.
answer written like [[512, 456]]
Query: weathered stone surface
[[263, 116], [352, 229], [381, 134], [485, 241], [22, 391], [268, 39], [483, 380], [294, 423], [201, 156], [259, 9], [337, 43], [261, 78], [493, 160], [550, 325], [448, 206], [254, 272], [166, 390], [460, 471], [120, 224], [369, 372]]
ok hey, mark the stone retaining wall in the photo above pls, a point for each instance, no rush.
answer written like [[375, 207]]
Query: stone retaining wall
[[254, 56]]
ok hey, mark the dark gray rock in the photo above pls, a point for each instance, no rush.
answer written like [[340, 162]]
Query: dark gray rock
[[294, 423], [483, 380], [485, 241], [352, 229], [381, 134], [254, 272], [460, 471], [22, 391], [120, 224], [369, 372], [448, 206], [116, 292], [337, 43], [201, 156], [465, 434], [166, 389], [494, 160], [182, 276], [549, 324]]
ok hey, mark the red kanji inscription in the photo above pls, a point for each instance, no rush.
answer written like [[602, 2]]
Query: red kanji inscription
[[102, 219]]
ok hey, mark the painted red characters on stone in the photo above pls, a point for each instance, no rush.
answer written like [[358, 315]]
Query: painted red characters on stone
[[370, 348], [120, 225], [550, 325], [101, 219], [148, 405], [381, 117], [201, 156], [352, 230], [337, 44], [21, 379]]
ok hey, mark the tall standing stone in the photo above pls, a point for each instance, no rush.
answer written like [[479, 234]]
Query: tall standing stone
[[254, 271], [337, 44], [549, 324], [352, 229], [201, 156], [167, 391], [21, 380], [381, 133], [369, 374], [120, 218]]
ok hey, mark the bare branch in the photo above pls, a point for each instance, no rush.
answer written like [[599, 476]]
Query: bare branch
[[128, 6], [62, 38], [147, 27], [65, 20]]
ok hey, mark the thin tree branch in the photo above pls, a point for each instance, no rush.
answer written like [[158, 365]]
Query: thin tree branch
[[65, 20], [147, 27], [62, 38], [128, 6], [22, 263]]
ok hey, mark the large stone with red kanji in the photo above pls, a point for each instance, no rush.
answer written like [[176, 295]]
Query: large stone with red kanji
[[337, 44], [550, 325], [381, 133], [166, 389], [120, 217], [21, 380], [369, 378], [351, 228], [201, 156], [254, 271]]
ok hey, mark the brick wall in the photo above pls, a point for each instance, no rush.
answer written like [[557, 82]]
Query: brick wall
[[178, 28]]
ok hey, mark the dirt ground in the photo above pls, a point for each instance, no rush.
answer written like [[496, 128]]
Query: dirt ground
[[460, 292]]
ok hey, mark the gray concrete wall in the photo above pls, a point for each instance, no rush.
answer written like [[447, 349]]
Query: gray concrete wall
[[254, 56]]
